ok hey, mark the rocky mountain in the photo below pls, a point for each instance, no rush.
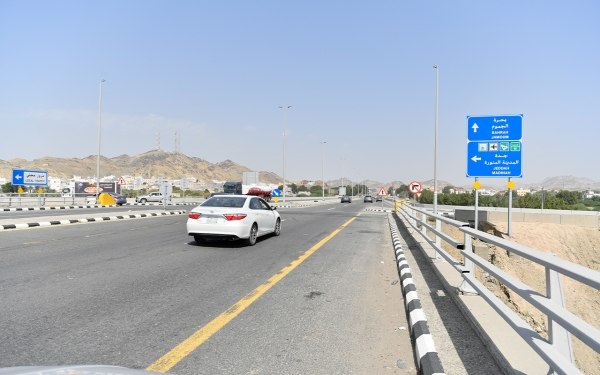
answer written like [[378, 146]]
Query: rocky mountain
[[567, 182], [152, 163]]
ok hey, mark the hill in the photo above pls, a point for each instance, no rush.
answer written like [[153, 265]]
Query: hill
[[152, 163]]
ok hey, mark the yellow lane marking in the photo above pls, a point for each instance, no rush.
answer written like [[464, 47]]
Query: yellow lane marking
[[167, 361], [38, 242]]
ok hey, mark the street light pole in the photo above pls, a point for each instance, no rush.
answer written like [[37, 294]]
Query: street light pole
[[323, 167], [284, 135], [99, 127], [435, 194]]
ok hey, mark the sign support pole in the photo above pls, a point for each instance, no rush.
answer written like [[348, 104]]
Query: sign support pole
[[476, 207], [509, 211]]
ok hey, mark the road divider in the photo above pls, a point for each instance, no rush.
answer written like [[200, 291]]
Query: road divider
[[86, 220], [166, 362]]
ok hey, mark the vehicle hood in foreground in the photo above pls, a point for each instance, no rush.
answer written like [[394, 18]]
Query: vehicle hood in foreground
[[72, 370]]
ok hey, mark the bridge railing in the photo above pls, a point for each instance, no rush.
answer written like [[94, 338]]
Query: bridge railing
[[557, 351], [44, 199]]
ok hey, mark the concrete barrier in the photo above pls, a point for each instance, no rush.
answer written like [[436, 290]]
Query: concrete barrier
[[580, 219]]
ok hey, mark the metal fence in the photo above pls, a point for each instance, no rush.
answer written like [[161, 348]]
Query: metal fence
[[557, 351], [45, 199]]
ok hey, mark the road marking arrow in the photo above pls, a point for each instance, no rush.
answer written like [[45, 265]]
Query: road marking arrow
[[475, 158], [475, 127]]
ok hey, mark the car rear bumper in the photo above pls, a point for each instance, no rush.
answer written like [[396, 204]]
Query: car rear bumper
[[229, 229]]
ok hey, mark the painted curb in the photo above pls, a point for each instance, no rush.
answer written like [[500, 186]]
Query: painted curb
[[160, 204], [88, 220], [377, 210], [90, 206], [428, 358]]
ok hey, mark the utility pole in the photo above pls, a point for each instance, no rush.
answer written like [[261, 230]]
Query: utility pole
[[99, 132]]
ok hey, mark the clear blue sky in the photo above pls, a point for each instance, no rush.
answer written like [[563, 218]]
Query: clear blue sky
[[358, 74]]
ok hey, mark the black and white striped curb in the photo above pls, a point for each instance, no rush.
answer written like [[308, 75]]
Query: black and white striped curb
[[54, 208], [160, 204], [428, 359], [88, 220], [377, 210], [90, 206]]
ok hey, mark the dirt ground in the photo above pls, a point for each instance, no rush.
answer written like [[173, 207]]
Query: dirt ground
[[572, 243]]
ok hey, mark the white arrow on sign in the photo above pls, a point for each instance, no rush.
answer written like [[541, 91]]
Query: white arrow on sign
[[18, 177], [475, 127], [475, 158]]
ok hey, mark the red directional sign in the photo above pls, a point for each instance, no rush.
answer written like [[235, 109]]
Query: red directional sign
[[415, 187], [382, 192]]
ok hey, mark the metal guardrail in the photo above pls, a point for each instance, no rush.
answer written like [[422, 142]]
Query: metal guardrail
[[35, 199], [557, 351]]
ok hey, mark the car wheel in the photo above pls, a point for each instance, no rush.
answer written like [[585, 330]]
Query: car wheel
[[142, 201], [277, 230], [199, 239], [251, 241]]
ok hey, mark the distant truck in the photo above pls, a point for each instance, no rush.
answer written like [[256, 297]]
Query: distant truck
[[342, 191], [236, 187]]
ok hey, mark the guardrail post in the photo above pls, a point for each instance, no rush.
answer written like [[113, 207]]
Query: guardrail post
[[423, 228], [469, 267], [438, 239], [558, 336]]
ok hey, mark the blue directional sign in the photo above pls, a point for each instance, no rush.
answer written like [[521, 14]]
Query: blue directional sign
[[276, 193], [494, 146], [29, 177]]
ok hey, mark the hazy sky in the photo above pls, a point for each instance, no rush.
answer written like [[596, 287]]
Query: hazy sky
[[358, 75]]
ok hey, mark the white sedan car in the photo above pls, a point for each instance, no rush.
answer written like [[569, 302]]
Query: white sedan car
[[233, 217]]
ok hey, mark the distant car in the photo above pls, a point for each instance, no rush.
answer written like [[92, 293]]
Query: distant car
[[378, 199], [347, 199], [233, 217], [119, 199], [368, 198], [152, 197]]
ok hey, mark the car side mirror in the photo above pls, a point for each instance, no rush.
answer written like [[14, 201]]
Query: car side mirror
[[273, 208]]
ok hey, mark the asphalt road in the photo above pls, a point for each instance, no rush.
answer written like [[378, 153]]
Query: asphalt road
[[126, 293], [93, 212]]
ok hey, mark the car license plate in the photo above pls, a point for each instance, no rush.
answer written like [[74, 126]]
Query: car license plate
[[211, 220]]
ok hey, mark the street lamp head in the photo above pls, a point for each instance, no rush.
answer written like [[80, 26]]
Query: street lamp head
[[435, 66], [103, 80]]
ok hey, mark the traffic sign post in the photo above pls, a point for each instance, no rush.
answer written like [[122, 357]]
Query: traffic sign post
[[494, 149], [494, 146], [382, 193]]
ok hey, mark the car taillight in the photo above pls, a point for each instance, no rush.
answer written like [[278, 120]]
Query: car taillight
[[231, 217], [194, 215]]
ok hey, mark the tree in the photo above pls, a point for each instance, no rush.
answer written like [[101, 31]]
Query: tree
[[446, 189], [294, 188], [316, 190], [426, 196], [8, 188], [302, 188]]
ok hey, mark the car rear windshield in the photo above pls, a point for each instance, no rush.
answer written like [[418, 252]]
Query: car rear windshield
[[224, 201]]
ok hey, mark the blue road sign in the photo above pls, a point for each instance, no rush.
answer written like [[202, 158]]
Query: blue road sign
[[29, 177], [276, 192], [494, 146]]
